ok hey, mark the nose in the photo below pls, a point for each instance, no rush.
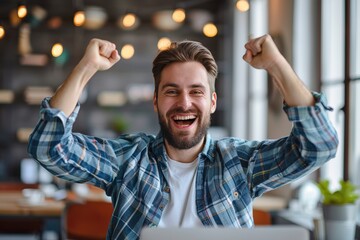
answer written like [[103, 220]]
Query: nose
[[184, 101]]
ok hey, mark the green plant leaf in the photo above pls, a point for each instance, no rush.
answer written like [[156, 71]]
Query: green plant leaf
[[345, 195]]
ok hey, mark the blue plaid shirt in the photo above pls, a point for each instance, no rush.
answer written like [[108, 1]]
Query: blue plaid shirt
[[133, 169]]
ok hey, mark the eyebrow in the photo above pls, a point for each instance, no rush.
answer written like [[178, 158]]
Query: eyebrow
[[176, 86]]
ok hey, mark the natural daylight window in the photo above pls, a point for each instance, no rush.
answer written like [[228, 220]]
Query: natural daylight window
[[332, 74], [354, 150]]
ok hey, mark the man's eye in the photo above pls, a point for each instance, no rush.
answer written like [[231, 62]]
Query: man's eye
[[170, 92], [197, 92]]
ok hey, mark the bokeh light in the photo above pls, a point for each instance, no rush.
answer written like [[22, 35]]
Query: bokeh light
[[127, 51], [210, 30], [57, 49]]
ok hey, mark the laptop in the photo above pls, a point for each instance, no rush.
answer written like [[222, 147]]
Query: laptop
[[274, 232]]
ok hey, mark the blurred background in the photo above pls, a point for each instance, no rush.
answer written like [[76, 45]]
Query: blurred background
[[41, 41]]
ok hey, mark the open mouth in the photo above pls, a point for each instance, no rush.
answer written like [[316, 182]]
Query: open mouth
[[184, 121]]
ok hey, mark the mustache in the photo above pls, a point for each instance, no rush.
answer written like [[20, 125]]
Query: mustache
[[182, 110]]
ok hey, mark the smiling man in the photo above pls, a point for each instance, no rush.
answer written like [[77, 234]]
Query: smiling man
[[182, 177]]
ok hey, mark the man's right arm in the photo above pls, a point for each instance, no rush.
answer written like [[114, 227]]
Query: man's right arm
[[52, 142], [99, 55]]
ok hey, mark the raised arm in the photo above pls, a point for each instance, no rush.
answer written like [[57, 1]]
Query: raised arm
[[99, 55], [262, 53]]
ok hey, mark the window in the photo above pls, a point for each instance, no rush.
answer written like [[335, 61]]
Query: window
[[354, 150], [332, 74], [249, 85], [334, 71]]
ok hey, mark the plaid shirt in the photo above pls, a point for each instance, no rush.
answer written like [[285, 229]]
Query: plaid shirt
[[133, 170]]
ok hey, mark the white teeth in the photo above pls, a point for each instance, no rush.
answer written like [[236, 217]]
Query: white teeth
[[184, 117]]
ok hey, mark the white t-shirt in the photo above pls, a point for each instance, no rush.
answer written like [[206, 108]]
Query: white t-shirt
[[181, 209]]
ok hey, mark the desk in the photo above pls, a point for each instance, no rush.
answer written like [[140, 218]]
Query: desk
[[19, 216], [12, 203]]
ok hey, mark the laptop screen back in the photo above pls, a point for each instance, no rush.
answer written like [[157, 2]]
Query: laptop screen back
[[276, 232]]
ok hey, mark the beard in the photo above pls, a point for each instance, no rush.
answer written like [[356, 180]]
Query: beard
[[183, 141]]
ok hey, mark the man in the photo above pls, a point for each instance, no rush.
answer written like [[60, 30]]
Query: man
[[182, 177]]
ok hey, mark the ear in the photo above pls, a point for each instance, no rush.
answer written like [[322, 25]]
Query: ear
[[213, 102], [155, 102]]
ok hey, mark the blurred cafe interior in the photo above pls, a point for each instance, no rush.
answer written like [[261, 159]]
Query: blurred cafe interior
[[42, 40]]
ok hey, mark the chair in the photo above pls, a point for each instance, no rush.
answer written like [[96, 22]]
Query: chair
[[88, 220], [261, 217]]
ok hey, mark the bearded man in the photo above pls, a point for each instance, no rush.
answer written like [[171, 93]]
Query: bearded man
[[182, 177]]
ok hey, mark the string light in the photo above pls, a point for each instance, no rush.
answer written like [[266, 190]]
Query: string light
[[179, 15], [210, 30], [22, 11], [57, 49], [242, 5], [127, 51], [2, 32], [79, 18], [163, 43], [129, 20]]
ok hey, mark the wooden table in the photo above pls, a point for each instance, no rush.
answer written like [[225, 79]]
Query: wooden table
[[18, 216], [13, 203]]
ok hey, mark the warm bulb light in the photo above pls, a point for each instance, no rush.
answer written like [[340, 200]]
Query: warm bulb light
[[179, 15], [210, 30], [2, 32], [79, 18], [163, 43], [242, 5], [57, 50], [127, 51], [22, 11], [129, 20]]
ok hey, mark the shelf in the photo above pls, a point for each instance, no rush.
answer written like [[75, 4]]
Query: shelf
[[124, 78]]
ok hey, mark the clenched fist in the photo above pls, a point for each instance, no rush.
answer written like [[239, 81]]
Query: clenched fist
[[262, 53], [100, 55]]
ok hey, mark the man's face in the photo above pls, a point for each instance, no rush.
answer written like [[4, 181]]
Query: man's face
[[184, 104]]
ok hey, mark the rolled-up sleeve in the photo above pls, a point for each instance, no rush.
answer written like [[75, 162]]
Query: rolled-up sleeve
[[316, 135], [52, 129]]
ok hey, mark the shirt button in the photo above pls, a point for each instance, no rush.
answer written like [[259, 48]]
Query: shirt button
[[167, 189], [161, 207], [236, 194]]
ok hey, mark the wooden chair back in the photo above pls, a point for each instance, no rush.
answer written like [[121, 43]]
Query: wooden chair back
[[261, 217], [88, 220]]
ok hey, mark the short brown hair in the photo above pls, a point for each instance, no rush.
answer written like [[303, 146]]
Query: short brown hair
[[185, 51]]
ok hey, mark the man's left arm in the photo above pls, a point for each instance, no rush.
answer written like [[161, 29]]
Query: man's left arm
[[313, 140]]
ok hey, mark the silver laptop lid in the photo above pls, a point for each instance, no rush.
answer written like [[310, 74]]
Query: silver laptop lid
[[275, 232]]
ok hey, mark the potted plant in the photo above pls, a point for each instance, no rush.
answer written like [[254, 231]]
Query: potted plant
[[339, 210]]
